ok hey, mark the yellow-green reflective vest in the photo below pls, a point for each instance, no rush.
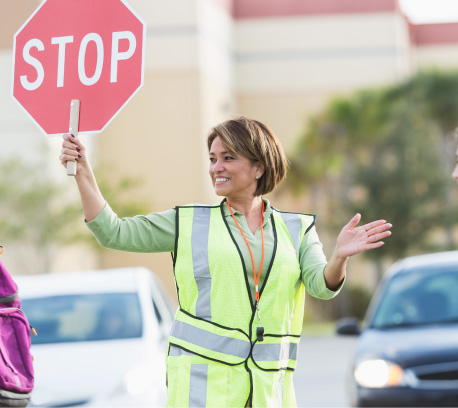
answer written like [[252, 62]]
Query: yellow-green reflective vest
[[215, 358]]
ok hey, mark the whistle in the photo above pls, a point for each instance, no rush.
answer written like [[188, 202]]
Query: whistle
[[260, 333]]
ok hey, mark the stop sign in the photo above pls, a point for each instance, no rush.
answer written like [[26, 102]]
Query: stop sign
[[88, 50]]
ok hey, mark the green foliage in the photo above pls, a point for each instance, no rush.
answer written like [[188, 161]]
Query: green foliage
[[358, 299], [386, 153], [30, 206], [38, 214]]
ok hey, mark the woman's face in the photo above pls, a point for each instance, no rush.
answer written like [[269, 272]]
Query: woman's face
[[455, 172], [232, 176]]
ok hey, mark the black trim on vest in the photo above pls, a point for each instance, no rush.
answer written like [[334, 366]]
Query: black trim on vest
[[273, 369], [206, 357], [274, 253], [250, 397], [312, 224], [177, 231], [268, 369], [197, 206], [241, 258], [174, 256], [283, 335], [288, 212], [215, 324]]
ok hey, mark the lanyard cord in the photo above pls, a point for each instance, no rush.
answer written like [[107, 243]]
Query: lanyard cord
[[258, 275]]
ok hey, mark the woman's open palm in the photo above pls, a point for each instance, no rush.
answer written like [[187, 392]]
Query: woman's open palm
[[352, 239]]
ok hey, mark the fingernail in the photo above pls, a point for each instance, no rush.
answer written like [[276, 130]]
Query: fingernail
[[72, 135], [76, 158], [78, 149], [79, 155]]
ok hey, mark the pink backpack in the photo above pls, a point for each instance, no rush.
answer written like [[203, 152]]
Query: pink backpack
[[16, 369]]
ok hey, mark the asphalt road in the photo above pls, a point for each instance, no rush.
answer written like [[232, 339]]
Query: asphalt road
[[323, 363]]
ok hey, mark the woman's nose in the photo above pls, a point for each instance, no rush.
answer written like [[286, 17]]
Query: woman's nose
[[218, 166]]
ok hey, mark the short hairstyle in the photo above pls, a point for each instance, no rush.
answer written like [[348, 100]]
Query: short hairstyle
[[258, 143]]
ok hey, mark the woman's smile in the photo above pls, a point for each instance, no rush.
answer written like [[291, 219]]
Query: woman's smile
[[233, 176]]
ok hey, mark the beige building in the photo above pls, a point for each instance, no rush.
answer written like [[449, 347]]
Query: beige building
[[278, 61]]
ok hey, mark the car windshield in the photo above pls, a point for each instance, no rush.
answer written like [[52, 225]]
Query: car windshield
[[88, 317], [418, 298]]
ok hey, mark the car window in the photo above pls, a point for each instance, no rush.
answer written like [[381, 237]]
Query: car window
[[418, 297], [88, 317]]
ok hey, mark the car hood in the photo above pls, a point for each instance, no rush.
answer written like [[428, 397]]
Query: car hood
[[74, 373], [411, 346]]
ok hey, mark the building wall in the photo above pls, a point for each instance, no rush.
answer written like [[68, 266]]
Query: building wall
[[288, 67], [435, 46], [206, 60]]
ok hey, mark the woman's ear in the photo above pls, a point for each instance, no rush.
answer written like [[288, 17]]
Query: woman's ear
[[259, 169]]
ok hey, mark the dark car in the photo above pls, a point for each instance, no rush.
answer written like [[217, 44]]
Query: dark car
[[407, 352]]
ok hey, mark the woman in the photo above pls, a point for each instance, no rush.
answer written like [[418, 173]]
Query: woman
[[241, 269]]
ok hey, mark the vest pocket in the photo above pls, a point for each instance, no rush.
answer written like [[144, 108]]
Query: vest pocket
[[276, 353]]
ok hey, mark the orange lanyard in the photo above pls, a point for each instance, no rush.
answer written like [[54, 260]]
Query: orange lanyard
[[258, 275]]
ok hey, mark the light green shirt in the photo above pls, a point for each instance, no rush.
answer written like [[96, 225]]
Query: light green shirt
[[156, 232]]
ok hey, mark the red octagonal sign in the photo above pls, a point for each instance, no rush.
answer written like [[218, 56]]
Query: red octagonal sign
[[88, 50]]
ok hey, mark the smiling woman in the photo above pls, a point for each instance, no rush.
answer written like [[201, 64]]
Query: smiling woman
[[241, 270]]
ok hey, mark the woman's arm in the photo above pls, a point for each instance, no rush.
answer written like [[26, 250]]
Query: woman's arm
[[91, 197], [154, 232], [351, 241]]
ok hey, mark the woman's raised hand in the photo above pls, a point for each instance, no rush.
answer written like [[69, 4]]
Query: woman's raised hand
[[352, 239], [72, 150]]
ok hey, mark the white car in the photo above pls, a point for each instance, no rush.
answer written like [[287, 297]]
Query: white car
[[102, 337]]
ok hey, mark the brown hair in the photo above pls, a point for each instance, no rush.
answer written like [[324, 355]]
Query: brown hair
[[255, 141]]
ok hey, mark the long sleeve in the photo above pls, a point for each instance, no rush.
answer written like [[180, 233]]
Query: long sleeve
[[154, 232], [313, 261]]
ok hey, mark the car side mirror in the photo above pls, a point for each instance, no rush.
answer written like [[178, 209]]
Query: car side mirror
[[348, 326]]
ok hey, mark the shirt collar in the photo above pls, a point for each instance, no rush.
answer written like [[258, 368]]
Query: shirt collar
[[267, 209]]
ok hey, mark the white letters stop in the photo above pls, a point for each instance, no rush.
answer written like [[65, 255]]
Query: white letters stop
[[62, 42]]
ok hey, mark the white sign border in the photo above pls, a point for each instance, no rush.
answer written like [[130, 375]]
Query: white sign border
[[129, 7]]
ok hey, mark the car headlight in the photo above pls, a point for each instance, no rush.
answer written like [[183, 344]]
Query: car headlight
[[378, 374]]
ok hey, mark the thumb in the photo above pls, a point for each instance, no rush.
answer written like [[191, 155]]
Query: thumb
[[354, 221]]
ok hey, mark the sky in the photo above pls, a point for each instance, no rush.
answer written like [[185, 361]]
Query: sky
[[430, 11]]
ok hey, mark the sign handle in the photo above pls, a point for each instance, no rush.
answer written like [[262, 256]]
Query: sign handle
[[73, 129]]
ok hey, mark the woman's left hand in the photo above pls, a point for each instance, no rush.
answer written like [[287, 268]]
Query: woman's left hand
[[352, 239]]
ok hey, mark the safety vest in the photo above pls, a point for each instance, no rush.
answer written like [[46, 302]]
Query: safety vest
[[215, 358]]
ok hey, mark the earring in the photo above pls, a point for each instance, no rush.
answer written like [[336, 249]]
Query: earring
[[257, 176]]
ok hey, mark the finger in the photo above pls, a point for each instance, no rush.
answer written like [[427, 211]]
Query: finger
[[354, 221], [375, 245], [378, 237], [70, 152], [69, 145], [64, 158], [380, 228], [72, 139], [373, 224]]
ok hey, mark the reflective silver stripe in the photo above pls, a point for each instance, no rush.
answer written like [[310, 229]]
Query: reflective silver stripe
[[177, 352], [294, 224], [210, 341], [198, 385], [199, 243], [275, 352]]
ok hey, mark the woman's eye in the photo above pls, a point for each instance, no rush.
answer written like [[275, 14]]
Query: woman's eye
[[212, 160], [229, 158]]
